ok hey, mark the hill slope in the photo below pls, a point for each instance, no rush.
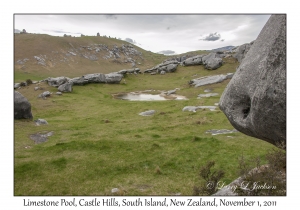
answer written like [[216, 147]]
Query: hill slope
[[44, 55]]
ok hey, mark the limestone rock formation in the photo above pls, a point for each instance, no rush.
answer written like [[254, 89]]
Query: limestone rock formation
[[255, 99], [167, 66], [196, 60], [22, 107], [212, 61], [56, 82], [66, 87], [210, 79], [94, 78], [113, 78]]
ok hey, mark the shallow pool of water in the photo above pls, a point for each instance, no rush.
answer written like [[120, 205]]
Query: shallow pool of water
[[147, 97]]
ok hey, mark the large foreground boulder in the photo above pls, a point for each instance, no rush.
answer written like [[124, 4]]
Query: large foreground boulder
[[22, 107], [255, 99]]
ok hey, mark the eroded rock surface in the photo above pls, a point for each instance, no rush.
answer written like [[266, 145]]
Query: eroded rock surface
[[255, 99], [41, 137], [210, 79]]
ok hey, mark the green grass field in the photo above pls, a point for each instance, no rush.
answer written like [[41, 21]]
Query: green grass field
[[100, 143]]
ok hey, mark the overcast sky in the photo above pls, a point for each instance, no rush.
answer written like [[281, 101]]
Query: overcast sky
[[170, 33]]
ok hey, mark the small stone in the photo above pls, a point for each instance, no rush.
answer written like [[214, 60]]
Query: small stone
[[115, 191], [41, 122], [147, 113]]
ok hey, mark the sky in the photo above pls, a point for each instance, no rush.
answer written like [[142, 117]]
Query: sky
[[159, 33]]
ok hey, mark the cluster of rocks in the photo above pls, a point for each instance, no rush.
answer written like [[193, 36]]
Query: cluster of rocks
[[210, 79], [18, 85], [165, 67], [65, 84], [91, 52], [211, 61]]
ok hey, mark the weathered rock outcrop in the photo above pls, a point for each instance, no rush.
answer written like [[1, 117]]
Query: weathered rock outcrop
[[196, 60], [167, 66], [66, 87], [113, 78], [65, 84], [56, 82], [212, 61], [210, 79], [22, 107], [130, 71], [255, 99]]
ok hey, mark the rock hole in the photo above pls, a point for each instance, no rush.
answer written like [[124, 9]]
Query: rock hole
[[246, 109], [246, 112]]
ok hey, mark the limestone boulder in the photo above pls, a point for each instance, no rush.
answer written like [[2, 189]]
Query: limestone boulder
[[210, 79], [255, 99], [113, 78], [44, 95], [95, 78], [79, 81], [56, 82], [66, 87], [192, 61], [212, 61], [22, 107], [171, 67]]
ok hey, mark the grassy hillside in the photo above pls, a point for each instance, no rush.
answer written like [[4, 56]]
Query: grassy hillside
[[101, 143], [59, 61]]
